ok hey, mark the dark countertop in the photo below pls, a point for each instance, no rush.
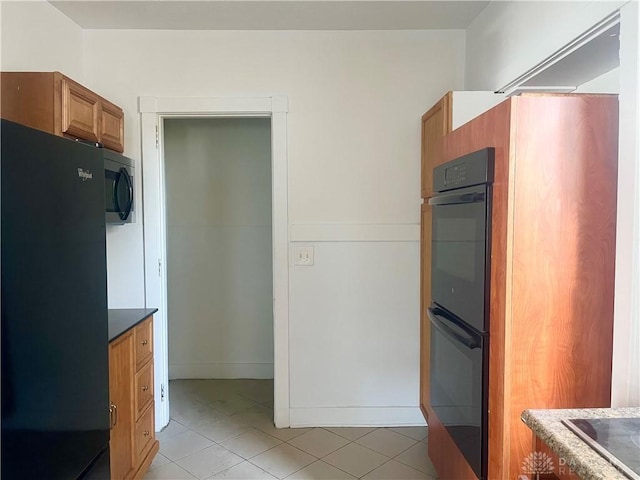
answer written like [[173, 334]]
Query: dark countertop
[[122, 319]]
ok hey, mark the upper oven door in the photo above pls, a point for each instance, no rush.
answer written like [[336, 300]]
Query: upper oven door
[[459, 268], [118, 192]]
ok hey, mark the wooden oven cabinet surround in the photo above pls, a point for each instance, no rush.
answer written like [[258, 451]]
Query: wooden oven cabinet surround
[[55, 103], [451, 111], [552, 266], [133, 444]]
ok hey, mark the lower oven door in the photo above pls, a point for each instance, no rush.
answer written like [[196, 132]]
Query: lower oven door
[[458, 385]]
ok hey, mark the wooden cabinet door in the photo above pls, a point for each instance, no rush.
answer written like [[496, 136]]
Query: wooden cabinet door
[[111, 126], [121, 379], [435, 124], [425, 301], [80, 111]]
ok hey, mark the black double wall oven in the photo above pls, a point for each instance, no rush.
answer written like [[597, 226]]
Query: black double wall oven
[[459, 312]]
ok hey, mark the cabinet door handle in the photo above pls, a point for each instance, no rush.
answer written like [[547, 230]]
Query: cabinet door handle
[[144, 342], [113, 415], [146, 433], [145, 388]]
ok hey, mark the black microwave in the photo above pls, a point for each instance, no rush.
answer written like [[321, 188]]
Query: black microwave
[[119, 191]]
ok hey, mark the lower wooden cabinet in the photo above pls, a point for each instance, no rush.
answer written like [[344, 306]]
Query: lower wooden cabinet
[[133, 444]]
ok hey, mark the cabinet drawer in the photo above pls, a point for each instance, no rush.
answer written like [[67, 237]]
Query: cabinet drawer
[[144, 388], [143, 338], [144, 435]]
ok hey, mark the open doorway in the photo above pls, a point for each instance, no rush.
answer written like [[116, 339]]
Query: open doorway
[[154, 111], [219, 268], [217, 175]]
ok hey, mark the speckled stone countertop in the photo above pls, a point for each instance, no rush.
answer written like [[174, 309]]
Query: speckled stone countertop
[[580, 457]]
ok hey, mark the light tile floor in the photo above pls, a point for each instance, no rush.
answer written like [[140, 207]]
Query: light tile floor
[[223, 429]]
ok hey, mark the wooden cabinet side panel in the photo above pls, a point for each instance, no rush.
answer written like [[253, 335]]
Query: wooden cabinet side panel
[[27, 98], [563, 256], [425, 301], [121, 358], [435, 124], [492, 129]]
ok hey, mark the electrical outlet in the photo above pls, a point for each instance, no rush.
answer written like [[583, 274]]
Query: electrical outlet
[[303, 255]]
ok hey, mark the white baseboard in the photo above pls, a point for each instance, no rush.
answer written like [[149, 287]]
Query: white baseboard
[[221, 370], [357, 417]]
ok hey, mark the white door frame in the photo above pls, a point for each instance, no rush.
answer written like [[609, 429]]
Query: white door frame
[[153, 110]]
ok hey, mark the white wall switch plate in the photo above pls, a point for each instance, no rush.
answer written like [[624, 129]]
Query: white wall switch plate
[[303, 255]]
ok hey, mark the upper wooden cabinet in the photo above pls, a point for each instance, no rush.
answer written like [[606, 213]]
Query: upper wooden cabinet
[[450, 112], [111, 126], [54, 103], [80, 110], [435, 124]]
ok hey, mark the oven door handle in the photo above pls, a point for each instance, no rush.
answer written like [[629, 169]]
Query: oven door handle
[[458, 198], [468, 338]]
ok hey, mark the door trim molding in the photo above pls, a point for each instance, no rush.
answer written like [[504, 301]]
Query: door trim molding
[[153, 110]]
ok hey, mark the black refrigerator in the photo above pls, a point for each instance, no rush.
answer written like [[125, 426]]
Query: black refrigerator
[[54, 351]]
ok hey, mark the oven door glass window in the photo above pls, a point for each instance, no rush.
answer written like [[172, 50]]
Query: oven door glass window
[[458, 253]]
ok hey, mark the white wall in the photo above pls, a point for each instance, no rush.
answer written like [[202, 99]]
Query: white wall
[[354, 334], [37, 37], [606, 83], [510, 37], [219, 273], [355, 100]]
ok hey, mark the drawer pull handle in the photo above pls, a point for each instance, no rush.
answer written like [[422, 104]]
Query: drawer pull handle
[[144, 342], [146, 433], [145, 388]]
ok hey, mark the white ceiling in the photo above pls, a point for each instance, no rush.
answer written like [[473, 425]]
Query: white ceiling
[[271, 15]]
